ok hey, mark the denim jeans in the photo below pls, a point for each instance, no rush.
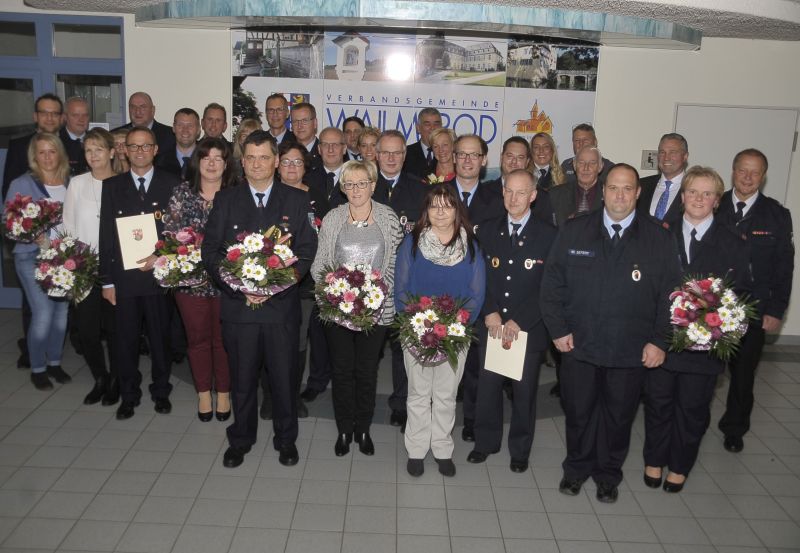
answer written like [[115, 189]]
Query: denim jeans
[[48, 317]]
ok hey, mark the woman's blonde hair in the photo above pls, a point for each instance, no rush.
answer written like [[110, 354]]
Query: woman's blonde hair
[[368, 131], [62, 172], [248, 125], [698, 171], [357, 165], [556, 172]]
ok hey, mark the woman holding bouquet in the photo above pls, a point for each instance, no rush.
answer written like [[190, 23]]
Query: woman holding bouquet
[[94, 317], [442, 143], [679, 393], [439, 257], [47, 178], [212, 169], [360, 232]]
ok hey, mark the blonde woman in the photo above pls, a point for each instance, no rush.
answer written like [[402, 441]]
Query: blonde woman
[[544, 161]]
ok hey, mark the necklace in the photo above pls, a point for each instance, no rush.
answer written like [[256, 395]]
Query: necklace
[[363, 223]]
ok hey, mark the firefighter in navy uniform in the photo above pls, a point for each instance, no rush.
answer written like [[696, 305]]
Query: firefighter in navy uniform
[[605, 301], [515, 247], [767, 228]]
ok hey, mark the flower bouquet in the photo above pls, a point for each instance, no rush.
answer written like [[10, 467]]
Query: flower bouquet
[[707, 315], [351, 296], [67, 269], [434, 179], [179, 263], [27, 218], [259, 264], [435, 328]]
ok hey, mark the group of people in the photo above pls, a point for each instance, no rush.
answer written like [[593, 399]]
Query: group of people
[[580, 255]]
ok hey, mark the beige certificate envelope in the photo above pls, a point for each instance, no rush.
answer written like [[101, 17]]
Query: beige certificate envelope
[[507, 362], [137, 238]]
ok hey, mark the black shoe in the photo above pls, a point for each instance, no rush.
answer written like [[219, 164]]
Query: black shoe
[[178, 358], [58, 374], [673, 487], [288, 455], [309, 395], [266, 410], [234, 456], [518, 465], [607, 493], [162, 406], [342, 446], [570, 487], [446, 467], [97, 393], [415, 467], [302, 409], [398, 418], [222, 416], [365, 444], [555, 391], [125, 410], [41, 381], [734, 444], [205, 417], [651, 482], [476, 456], [467, 433], [111, 397]]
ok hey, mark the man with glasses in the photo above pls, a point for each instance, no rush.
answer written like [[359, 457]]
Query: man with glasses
[[419, 158], [304, 127], [583, 136], [142, 112], [324, 178], [352, 127], [277, 110], [76, 123], [137, 297], [583, 194]]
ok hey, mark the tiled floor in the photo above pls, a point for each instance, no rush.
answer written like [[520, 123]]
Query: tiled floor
[[73, 478]]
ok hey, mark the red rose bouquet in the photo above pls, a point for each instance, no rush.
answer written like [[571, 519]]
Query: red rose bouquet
[[707, 315], [260, 263], [179, 263], [27, 218], [67, 269], [435, 328], [351, 296]]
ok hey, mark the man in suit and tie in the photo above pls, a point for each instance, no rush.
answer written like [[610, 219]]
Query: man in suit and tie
[[138, 298], [419, 157], [260, 331], [660, 195], [277, 110], [582, 195], [767, 228], [331, 146], [583, 136], [214, 121], [142, 112], [352, 127], [515, 247], [304, 126], [186, 126], [76, 123]]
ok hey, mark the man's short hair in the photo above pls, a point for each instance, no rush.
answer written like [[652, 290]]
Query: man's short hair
[[51, 97], [353, 119], [336, 130], [308, 106], [517, 140], [484, 145], [428, 111], [675, 136], [751, 152], [697, 172], [74, 99], [259, 138], [584, 127], [214, 105], [277, 96], [530, 176], [392, 133], [624, 166], [146, 130], [186, 111]]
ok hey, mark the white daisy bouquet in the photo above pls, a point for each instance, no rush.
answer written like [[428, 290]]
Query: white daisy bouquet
[[67, 269], [351, 296], [707, 315], [179, 263], [26, 218], [435, 328], [260, 263]]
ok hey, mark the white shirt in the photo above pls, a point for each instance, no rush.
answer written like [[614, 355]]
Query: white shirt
[[82, 209], [674, 189], [748, 203]]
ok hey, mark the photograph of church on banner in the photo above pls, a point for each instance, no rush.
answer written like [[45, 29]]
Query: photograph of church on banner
[[493, 88]]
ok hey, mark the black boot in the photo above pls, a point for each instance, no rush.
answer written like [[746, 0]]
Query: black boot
[[97, 393], [112, 392]]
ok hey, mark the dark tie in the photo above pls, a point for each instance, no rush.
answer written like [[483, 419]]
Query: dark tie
[[260, 196], [429, 157], [615, 239], [185, 167], [142, 191], [465, 197], [661, 206], [515, 233], [739, 211], [542, 173], [694, 246], [329, 182]]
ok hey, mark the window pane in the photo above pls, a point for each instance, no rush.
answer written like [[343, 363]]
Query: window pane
[[101, 91], [17, 38], [16, 117], [86, 41]]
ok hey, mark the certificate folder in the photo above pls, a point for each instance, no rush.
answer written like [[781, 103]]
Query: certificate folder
[[137, 238], [507, 362]]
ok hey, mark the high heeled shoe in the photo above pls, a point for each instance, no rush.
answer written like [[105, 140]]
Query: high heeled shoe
[[205, 412], [673, 487], [651, 481], [222, 416]]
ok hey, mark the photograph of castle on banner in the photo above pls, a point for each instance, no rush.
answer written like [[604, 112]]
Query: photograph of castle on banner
[[354, 56], [461, 61], [551, 66], [268, 53]]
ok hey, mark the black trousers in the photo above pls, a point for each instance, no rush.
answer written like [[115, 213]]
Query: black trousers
[[94, 319], [250, 347], [354, 357], [397, 401], [129, 315], [489, 407], [736, 420], [677, 410], [600, 404], [319, 370], [470, 383]]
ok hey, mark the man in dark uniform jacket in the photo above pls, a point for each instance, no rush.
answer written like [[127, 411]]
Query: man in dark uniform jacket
[[304, 127], [660, 195], [186, 127], [352, 127], [324, 178], [277, 112], [605, 301], [142, 112], [76, 123], [135, 293], [269, 334], [515, 247], [767, 228], [419, 156]]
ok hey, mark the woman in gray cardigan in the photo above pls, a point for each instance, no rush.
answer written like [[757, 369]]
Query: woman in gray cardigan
[[362, 231]]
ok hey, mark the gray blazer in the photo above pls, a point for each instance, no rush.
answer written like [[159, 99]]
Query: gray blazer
[[389, 225]]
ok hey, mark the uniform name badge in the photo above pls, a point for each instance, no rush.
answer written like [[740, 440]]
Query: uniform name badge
[[495, 262], [529, 264], [636, 274]]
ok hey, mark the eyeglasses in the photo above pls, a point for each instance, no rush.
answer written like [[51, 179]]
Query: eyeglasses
[[305, 121], [361, 185], [275, 111], [390, 154], [140, 147], [48, 113], [331, 145], [472, 155], [294, 162]]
